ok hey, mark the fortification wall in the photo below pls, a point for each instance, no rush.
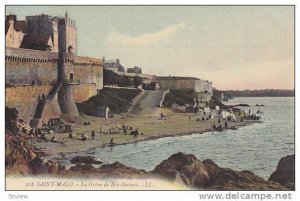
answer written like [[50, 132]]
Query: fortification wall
[[89, 73], [23, 73], [51, 110], [24, 99], [204, 97], [24, 66], [203, 86], [177, 84], [83, 92]]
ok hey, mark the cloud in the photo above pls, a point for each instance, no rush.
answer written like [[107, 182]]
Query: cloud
[[118, 39]]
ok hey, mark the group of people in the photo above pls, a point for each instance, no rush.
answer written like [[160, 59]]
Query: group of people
[[220, 127]]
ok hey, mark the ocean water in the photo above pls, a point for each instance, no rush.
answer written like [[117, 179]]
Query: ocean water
[[256, 147]]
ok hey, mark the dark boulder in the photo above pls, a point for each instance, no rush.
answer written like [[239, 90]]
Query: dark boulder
[[37, 166], [84, 159], [115, 170], [208, 175], [121, 171], [285, 172]]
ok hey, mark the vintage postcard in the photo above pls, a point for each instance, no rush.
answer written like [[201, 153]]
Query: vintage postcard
[[149, 97]]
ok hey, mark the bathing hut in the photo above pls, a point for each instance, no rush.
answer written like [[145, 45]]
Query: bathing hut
[[103, 111]]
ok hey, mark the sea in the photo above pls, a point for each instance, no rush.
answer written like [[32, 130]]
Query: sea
[[257, 147]]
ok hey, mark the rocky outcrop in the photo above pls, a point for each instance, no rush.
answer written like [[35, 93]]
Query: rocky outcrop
[[208, 175], [21, 158], [285, 172], [85, 159], [115, 170], [18, 154]]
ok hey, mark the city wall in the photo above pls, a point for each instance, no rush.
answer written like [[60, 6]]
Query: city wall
[[51, 110], [23, 67], [177, 84], [83, 92], [196, 85], [203, 86]]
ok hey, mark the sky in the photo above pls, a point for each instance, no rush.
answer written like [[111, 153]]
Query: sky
[[234, 47]]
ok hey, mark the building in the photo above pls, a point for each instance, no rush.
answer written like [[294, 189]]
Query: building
[[42, 32], [103, 112], [135, 69], [13, 32], [203, 88], [113, 65], [44, 76]]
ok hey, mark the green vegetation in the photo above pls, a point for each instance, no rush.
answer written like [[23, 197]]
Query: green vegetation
[[118, 100], [111, 78], [179, 97], [261, 93], [137, 81]]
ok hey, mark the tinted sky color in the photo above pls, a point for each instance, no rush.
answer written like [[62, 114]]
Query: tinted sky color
[[235, 47]]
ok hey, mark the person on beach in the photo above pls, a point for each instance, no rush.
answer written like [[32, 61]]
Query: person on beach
[[83, 137], [53, 139], [135, 133], [93, 135], [226, 125], [112, 141], [214, 126]]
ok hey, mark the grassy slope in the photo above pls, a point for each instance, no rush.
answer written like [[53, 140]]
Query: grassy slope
[[118, 100]]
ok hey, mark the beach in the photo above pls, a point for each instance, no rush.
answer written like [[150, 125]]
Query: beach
[[147, 122]]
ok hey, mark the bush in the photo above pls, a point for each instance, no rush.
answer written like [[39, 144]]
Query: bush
[[111, 78], [118, 100]]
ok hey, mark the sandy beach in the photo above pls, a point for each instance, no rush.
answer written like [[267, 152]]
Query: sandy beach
[[147, 122]]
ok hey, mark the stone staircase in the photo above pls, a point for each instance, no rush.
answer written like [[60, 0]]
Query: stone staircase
[[163, 97]]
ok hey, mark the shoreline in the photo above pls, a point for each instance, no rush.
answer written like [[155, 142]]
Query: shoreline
[[147, 122], [175, 135], [62, 156]]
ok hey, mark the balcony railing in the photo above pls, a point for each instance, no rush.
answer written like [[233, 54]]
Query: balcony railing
[[71, 81]]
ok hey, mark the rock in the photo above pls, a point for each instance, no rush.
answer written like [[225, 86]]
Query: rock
[[208, 175], [85, 159], [18, 153], [115, 170], [242, 105], [119, 170], [82, 168], [192, 171], [37, 166], [285, 172]]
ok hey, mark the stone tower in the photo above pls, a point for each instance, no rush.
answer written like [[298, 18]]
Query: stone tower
[[67, 35], [65, 94]]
